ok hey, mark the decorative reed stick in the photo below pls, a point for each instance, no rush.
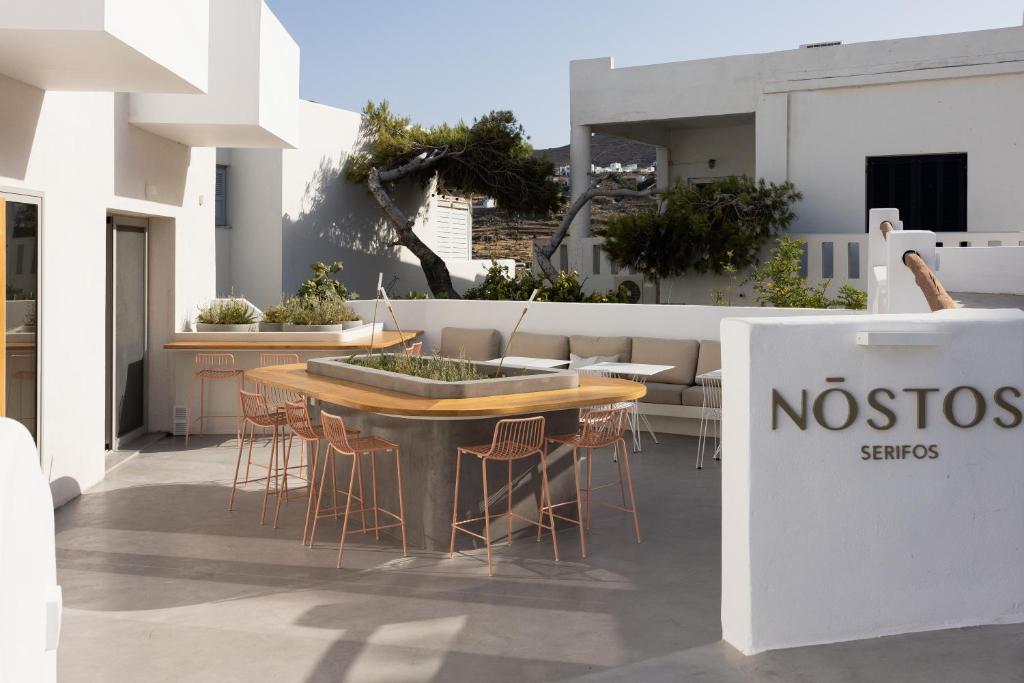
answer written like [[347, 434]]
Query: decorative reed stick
[[401, 335], [514, 330], [373, 325]]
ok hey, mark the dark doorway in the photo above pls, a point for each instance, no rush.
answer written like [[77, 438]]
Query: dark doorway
[[127, 306], [930, 190]]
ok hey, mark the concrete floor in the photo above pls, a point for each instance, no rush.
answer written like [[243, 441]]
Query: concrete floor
[[161, 583]]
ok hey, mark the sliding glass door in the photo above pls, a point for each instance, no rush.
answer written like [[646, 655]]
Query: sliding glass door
[[19, 366]]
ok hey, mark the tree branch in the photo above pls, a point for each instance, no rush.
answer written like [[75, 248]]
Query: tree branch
[[544, 252]]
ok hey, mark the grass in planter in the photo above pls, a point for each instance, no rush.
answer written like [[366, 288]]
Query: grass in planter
[[280, 313], [428, 367], [227, 312]]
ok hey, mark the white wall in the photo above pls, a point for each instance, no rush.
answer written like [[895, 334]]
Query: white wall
[[832, 131], [821, 545], [252, 98], [988, 270], [86, 161], [732, 148]]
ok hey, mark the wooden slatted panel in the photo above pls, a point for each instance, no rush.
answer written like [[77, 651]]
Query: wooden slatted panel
[[452, 229]]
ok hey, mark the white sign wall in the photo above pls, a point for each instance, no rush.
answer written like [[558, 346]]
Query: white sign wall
[[888, 495]]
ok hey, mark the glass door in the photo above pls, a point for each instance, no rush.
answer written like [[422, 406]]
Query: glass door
[[19, 365]]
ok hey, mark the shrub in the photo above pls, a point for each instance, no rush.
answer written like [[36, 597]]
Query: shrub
[[227, 312], [281, 313], [433, 367], [310, 310], [322, 285], [500, 285], [778, 282]]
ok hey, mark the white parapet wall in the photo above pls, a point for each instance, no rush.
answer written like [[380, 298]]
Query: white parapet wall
[[872, 478]]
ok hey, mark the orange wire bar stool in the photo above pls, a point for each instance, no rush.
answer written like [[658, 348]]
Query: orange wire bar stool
[[267, 359], [601, 428], [415, 349], [340, 444], [297, 415], [255, 413], [513, 439], [213, 367]]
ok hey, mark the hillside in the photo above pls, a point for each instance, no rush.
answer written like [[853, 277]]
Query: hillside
[[604, 149]]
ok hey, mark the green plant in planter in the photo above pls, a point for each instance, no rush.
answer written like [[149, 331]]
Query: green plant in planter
[[322, 285], [433, 367], [30, 316], [227, 312], [330, 310], [281, 313]]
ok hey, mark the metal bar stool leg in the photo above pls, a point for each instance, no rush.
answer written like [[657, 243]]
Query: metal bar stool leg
[[348, 507], [487, 519], [455, 504], [401, 504]]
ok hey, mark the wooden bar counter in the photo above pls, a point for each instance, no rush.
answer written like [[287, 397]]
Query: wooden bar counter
[[383, 340], [429, 430]]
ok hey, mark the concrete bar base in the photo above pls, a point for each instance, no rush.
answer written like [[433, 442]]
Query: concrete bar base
[[428, 475]]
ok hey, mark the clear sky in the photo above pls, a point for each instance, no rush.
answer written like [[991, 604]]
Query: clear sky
[[450, 59]]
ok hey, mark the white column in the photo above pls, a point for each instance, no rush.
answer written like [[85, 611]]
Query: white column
[[661, 167], [579, 160], [771, 138]]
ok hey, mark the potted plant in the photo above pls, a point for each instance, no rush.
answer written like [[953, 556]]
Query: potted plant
[[28, 323], [275, 317], [226, 315], [316, 314]]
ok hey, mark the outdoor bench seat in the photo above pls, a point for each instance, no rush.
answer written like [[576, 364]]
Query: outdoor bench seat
[[473, 343], [664, 393], [531, 345]]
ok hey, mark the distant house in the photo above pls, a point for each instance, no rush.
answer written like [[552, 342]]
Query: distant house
[[563, 170], [630, 168]]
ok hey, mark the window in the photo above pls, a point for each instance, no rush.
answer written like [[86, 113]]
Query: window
[[221, 196], [930, 190]]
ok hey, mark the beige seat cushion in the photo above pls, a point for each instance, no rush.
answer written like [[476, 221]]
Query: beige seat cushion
[[474, 344], [693, 396], [710, 357], [531, 345], [681, 354], [584, 345], [666, 394]]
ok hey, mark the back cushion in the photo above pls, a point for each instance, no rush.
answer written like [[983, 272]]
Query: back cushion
[[539, 346], [681, 354], [583, 345], [710, 357], [475, 344]]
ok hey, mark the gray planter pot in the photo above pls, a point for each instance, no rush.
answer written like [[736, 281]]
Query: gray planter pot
[[212, 327], [290, 327], [518, 381], [349, 324], [271, 327]]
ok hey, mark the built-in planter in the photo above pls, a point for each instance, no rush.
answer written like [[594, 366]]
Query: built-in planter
[[292, 327], [271, 327], [513, 381], [350, 324], [215, 327]]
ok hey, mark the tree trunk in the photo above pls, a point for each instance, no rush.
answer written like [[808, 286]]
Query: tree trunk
[[434, 268], [543, 252]]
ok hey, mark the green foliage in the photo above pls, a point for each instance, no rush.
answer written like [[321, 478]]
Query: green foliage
[[30, 316], [281, 313], [500, 285], [429, 367], [332, 309], [322, 285], [492, 156], [413, 294], [778, 282], [852, 298], [227, 312], [716, 227]]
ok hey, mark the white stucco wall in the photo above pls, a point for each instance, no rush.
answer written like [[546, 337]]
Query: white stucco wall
[[690, 149], [832, 131], [87, 161], [822, 544]]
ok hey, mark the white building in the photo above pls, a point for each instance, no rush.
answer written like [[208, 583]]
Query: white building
[[114, 117], [287, 208], [929, 125]]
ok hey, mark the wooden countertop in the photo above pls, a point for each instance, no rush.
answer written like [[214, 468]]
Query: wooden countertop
[[592, 391], [384, 340]]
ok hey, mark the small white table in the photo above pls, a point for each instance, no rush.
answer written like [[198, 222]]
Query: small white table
[[711, 412], [638, 372], [527, 362]]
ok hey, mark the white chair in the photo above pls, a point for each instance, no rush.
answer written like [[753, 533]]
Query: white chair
[[710, 415]]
